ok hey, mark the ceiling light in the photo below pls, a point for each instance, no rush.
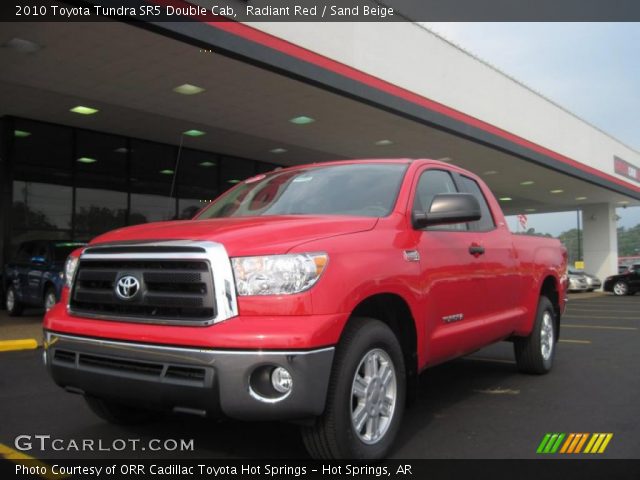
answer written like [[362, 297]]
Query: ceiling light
[[23, 46], [166, 171], [529, 210], [623, 202], [234, 181], [207, 164], [21, 133], [557, 190], [384, 142], [445, 159], [491, 172], [302, 120], [278, 150], [87, 160], [188, 89], [121, 150], [505, 199], [527, 182], [193, 133], [84, 110], [581, 198]]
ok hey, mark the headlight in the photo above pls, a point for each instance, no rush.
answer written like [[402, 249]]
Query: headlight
[[278, 274], [69, 269]]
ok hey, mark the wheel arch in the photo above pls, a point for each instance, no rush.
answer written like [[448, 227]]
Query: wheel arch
[[394, 311], [550, 288]]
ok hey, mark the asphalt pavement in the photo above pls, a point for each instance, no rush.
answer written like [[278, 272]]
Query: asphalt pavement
[[475, 407]]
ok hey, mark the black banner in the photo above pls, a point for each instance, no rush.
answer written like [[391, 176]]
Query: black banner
[[543, 469], [321, 10]]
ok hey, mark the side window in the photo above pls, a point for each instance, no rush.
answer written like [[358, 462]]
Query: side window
[[486, 221], [431, 183], [41, 250]]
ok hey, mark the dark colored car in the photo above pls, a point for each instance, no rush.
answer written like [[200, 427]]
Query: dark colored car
[[35, 276], [626, 283]]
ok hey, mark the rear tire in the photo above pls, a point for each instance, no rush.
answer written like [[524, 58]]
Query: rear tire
[[620, 288], [366, 396], [118, 413], [535, 353], [13, 306]]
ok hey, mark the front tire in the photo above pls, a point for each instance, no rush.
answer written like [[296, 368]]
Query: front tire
[[13, 306], [118, 413], [535, 353], [620, 289], [366, 397]]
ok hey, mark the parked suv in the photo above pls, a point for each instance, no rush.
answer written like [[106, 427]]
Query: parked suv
[[35, 276]]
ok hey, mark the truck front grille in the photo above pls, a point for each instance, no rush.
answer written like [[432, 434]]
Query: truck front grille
[[160, 290]]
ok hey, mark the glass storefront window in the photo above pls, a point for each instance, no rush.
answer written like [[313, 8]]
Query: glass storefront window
[[152, 174], [197, 181], [98, 211], [40, 210], [234, 170]]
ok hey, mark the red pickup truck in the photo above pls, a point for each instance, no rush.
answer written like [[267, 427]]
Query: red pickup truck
[[313, 294]]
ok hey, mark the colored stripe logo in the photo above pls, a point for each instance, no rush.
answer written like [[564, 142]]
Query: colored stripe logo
[[573, 443]]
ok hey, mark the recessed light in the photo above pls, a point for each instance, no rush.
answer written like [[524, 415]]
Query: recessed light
[[529, 210], [167, 171], [188, 89], [491, 172], [302, 120], [233, 181], [193, 133], [21, 133], [82, 110], [207, 164], [278, 150], [23, 46], [557, 190], [445, 159], [87, 160], [527, 182], [384, 142], [121, 150], [623, 202], [505, 199], [581, 198]]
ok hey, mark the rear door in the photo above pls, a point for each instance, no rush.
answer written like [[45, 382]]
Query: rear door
[[497, 264]]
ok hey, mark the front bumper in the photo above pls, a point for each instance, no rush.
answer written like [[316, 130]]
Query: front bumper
[[193, 380]]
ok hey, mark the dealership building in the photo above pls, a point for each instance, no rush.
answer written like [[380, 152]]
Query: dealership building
[[108, 124]]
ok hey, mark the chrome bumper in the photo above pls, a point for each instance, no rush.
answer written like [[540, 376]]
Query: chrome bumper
[[193, 380]]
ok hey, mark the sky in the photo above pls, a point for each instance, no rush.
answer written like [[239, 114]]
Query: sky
[[591, 69]]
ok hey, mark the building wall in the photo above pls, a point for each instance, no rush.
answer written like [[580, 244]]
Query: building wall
[[409, 56]]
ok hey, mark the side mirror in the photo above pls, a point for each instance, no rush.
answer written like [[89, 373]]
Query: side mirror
[[449, 208], [38, 260]]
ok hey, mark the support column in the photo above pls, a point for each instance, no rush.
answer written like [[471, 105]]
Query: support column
[[5, 189], [600, 240]]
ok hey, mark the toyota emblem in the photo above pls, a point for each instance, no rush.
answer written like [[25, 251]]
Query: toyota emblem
[[127, 287]]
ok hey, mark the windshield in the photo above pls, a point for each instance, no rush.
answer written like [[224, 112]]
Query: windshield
[[365, 190]]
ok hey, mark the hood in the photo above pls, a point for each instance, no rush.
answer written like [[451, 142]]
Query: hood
[[243, 236]]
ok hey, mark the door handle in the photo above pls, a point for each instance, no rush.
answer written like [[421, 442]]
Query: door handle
[[476, 250]]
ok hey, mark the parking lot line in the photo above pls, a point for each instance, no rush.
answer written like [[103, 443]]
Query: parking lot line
[[603, 327], [575, 341], [610, 317], [15, 456], [22, 344]]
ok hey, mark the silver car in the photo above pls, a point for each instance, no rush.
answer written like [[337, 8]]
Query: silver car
[[577, 282], [593, 282]]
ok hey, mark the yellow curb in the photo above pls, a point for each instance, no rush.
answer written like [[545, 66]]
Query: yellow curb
[[20, 458], [23, 344]]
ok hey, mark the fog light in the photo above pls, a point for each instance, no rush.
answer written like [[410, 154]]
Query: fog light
[[281, 380]]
